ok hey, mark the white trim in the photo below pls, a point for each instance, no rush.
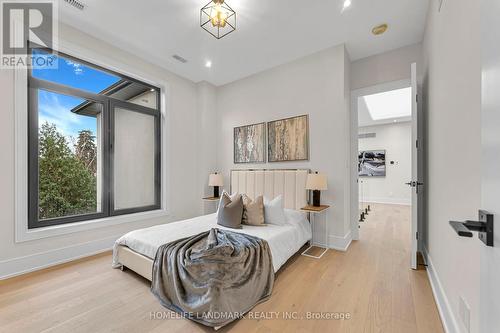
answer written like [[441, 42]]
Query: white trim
[[22, 233], [340, 243], [448, 319], [21, 149], [22, 265]]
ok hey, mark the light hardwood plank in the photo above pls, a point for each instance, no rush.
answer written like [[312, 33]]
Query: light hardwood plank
[[372, 282]]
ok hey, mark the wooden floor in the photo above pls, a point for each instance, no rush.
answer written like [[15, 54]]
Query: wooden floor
[[372, 283]]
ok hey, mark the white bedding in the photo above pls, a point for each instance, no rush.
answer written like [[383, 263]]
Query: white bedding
[[283, 240]]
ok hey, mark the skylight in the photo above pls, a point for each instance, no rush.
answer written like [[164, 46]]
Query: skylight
[[389, 104]]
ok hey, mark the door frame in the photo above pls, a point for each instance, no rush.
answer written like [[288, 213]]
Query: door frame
[[374, 89]]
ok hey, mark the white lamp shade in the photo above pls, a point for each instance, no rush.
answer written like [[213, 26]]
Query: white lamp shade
[[316, 181], [215, 179]]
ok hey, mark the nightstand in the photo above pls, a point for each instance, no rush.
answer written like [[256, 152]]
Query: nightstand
[[209, 199], [313, 211]]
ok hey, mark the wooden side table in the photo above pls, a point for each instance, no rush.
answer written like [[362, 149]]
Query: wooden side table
[[209, 199], [313, 211]]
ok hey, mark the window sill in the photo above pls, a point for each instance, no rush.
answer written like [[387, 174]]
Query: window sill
[[23, 234]]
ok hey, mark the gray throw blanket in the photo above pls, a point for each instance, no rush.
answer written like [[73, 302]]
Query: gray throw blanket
[[213, 277]]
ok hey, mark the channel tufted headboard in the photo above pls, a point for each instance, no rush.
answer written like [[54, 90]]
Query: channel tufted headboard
[[291, 183]]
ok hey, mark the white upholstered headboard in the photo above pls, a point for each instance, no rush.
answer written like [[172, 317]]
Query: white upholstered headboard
[[271, 183]]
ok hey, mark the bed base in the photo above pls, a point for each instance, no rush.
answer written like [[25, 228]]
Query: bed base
[[140, 264], [143, 265]]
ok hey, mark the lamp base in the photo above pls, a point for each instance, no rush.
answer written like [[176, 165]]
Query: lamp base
[[216, 191], [316, 198]]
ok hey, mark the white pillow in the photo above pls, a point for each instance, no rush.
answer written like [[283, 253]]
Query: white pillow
[[274, 212]]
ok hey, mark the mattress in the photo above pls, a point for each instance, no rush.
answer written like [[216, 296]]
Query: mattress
[[284, 240]]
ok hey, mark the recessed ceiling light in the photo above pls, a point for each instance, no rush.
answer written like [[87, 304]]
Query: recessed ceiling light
[[208, 64], [347, 4], [380, 29]]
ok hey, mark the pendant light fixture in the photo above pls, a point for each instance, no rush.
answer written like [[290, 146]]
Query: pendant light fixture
[[218, 18]]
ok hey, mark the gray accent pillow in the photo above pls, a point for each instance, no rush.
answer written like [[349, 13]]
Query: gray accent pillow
[[253, 211], [231, 196], [230, 211]]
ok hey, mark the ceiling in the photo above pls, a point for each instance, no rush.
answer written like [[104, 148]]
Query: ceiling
[[269, 33], [393, 106]]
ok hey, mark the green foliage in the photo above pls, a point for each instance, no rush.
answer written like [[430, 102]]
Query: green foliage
[[86, 150], [67, 186]]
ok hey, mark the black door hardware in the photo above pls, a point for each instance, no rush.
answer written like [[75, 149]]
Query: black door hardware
[[484, 227], [414, 184]]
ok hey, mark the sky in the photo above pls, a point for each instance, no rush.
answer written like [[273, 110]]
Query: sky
[[56, 108]]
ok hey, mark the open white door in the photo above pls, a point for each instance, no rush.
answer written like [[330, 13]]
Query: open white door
[[416, 166], [489, 318]]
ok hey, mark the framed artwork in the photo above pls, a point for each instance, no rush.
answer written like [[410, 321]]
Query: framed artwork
[[249, 143], [288, 139], [371, 163]]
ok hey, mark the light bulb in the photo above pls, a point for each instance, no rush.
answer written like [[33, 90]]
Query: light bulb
[[218, 17], [347, 4]]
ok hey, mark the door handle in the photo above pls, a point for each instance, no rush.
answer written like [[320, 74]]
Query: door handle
[[484, 227]]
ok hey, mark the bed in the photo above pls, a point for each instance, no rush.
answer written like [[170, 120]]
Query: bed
[[136, 249]]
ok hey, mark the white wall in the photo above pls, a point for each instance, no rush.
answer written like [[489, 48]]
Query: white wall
[[452, 100], [183, 147], [386, 67], [316, 85], [207, 143], [395, 139]]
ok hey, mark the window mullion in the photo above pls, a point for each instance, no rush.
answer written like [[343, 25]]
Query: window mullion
[[107, 151], [32, 158]]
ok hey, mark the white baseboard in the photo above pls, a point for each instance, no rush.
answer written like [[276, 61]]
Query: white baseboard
[[340, 243], [390, 201], [448, 319], [22, 265]]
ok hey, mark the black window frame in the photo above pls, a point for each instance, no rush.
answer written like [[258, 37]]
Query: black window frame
[[109, 104]]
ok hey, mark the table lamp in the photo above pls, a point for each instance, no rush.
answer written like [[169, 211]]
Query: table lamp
[[317, 183], [215, 180]]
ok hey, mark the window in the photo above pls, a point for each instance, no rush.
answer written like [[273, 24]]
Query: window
[[93, 141]]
